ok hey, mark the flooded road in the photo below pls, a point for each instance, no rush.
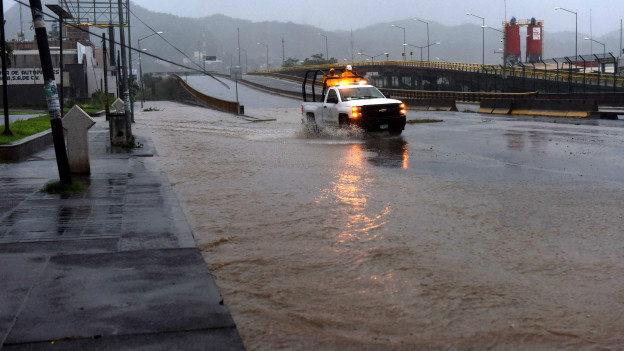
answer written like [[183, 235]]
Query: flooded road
[[478, 232]]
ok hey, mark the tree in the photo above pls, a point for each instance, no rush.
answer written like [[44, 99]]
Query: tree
[[291, 62], [9, 52], [318, 59]]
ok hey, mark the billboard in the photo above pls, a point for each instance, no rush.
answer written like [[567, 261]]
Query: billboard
[[24, 76]]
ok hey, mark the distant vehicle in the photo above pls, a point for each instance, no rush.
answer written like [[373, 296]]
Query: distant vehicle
[[346, 101]]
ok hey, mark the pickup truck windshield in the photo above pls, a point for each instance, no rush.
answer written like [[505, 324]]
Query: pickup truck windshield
[[357, 93]]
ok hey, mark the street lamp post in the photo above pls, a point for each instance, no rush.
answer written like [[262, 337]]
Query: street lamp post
[[267, 53], [500, 31], [371, 57], [422, 47], [575, 30], [141, 67], [245, 72], [404, 56], [427, 23], [326, 47], [604, 50], [483, 29]]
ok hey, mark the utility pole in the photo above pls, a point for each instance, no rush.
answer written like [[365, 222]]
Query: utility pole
[[62, 14], [124, 71], [131, 86], [5, 98], [51, 92], [105, 59], [239, 48]]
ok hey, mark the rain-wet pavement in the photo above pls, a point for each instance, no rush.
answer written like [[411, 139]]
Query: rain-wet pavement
[[114, 268], [478, 232]]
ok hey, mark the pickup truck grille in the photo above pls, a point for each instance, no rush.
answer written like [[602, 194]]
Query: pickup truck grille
[[376, 111]]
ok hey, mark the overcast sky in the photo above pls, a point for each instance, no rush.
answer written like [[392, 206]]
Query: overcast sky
[[345, 14]]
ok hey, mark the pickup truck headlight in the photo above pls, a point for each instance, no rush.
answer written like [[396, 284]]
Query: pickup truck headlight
[[402, 109], [356, 111]]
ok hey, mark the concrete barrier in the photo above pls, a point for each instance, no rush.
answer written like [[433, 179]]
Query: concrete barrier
[[582, 108], [521, 107], [190, 95], [487, 106], [417, 104], [576, 108], [442, 104], [502, 107], [550, 108]]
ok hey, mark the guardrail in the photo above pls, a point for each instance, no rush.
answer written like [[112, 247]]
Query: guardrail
[[455, 95], [200, 98], [559, 75]]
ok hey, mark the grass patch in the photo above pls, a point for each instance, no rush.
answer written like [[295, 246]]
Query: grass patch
[[26, 112], [132, 144], [76, 188], [25, 128], [85, 108], [426, 120]]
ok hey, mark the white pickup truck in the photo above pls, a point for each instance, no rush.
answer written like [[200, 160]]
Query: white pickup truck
[[350, 101]]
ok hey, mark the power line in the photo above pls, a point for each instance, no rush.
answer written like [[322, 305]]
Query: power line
[[163, 38], [134, 49]]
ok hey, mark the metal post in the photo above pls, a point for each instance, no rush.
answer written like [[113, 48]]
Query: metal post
[[105, 59], [51, 92], [124, 71], [61, 98], [141, 74], [5, 99], [239, 48], [130, 85], [62, 14]]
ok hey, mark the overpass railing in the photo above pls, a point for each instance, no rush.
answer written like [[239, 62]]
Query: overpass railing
[[533, 71]]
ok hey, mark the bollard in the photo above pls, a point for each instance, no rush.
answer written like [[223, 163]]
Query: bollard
[[77, 123], [118, 128]]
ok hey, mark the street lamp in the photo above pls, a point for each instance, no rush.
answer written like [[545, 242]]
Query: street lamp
[[326, 48], [141, 68], [267, 53], [422, 47], [483, 29], [371, 57], [575, 31], [404, 56], [427, 23], [604, 50], [502, 51]]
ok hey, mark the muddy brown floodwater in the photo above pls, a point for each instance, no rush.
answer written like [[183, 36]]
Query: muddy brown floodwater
[[427, 241]]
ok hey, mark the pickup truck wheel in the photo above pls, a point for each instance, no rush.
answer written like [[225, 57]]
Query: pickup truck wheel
[[311, 122], [394, 131], [343, 121]]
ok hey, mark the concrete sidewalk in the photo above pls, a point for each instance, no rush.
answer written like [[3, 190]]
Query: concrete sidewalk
[[113, 269]]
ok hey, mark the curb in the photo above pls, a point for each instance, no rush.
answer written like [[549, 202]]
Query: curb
[[20, 149]]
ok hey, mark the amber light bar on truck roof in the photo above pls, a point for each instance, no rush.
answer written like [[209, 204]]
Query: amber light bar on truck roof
[[332, 82]]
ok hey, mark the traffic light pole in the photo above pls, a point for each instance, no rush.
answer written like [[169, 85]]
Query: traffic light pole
[[51, 92]]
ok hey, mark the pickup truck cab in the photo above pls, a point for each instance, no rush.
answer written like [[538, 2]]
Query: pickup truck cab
[[351, 101]]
